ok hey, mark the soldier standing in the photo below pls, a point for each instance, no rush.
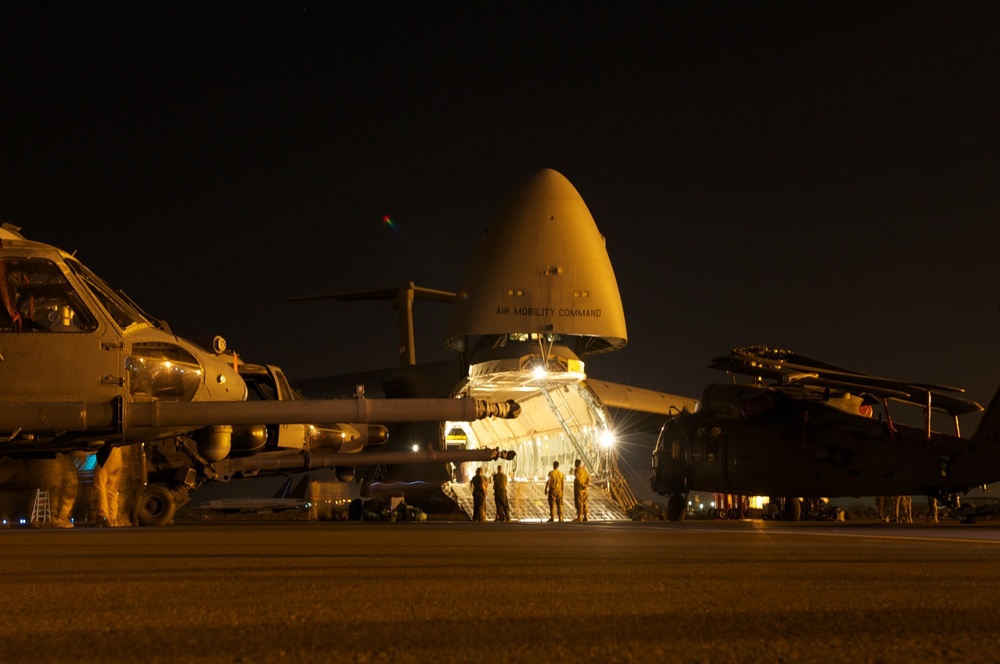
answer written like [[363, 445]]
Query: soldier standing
[[554, 490], [478, 496], [107, 478], [581, 482], [932, 509], [894, 507], [906, 509], [500, 495]]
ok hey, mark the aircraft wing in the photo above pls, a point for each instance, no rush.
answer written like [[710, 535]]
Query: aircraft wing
[[388, 293], [627, 397], [647, 408]]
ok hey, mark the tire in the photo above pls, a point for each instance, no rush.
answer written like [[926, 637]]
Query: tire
[[736, 514], [676, 507], [355, 510], [793, 509], [156, 506]]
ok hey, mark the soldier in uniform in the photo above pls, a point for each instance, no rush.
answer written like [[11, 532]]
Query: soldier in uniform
[[932, 509], [896, 508], [500, 495], [554, 490], [65, 490], [906, 509], [478, 496], [581, 482], [107, 477]]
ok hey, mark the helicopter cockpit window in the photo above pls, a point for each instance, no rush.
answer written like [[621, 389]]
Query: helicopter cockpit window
[[162, 371], [123, 313], [260, 389], [36, 297]]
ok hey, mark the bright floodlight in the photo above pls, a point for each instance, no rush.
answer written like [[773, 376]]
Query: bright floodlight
[[416, 448], [607, 439], [538, 373]]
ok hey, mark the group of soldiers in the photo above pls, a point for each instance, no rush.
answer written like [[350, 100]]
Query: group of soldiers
[[479, 483], [107, 501], [553, 491], [894, 509], [899, 509]]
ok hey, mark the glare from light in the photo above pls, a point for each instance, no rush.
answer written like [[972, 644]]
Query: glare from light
[[539, 373], [607, 439], [416, 448]]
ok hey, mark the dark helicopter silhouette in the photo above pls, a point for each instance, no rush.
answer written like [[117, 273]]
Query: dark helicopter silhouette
[[806, 429]]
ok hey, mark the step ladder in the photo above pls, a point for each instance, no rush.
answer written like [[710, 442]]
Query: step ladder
[[41, 511]]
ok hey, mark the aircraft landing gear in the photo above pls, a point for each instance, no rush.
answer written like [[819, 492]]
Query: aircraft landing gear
[[156, 505], [792, 510], [677, 505]]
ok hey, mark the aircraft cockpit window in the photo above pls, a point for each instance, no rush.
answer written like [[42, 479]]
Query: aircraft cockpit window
[[123, 313], [162, 371], [36, 297], [285, 391], [260, 390], [521, 337]]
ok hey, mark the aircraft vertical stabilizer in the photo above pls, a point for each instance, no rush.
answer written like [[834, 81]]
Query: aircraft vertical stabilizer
[[285, 488], [300, 489]]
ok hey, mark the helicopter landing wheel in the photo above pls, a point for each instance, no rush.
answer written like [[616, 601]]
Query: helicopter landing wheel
[[793, 509], [156, 506], [676, 507]]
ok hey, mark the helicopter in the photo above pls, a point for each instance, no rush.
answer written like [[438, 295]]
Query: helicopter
[[805, 429], [84, 370]]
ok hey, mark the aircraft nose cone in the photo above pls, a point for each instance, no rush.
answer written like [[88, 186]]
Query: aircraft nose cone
[[541, 267]]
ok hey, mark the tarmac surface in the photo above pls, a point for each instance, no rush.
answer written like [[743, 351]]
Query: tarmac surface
[[750, 591]]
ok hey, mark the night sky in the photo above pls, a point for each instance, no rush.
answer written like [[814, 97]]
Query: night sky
[[823, 177]]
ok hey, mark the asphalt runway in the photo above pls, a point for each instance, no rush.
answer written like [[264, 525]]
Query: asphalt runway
[[458, 592]]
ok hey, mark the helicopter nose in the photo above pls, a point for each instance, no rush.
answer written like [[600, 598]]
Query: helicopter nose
[[222, 380], [178, 370]]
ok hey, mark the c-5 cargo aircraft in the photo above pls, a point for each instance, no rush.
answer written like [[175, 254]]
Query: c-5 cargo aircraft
[[83, 369], [807, 429], [538, 297], [285, 499]]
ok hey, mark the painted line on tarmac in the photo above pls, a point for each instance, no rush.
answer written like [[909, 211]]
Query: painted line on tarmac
[[958, 538]]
